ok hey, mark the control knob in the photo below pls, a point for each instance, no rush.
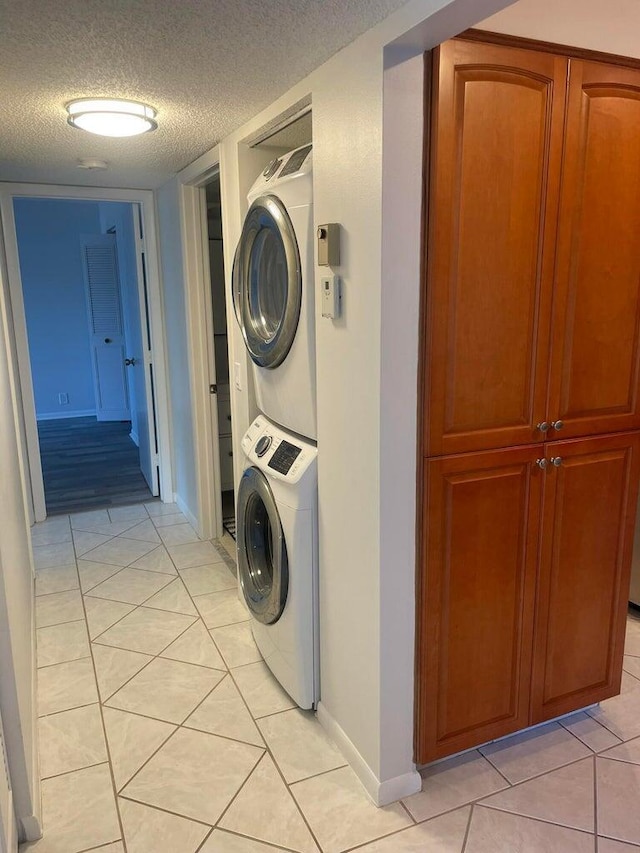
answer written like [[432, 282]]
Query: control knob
[[263, 444]]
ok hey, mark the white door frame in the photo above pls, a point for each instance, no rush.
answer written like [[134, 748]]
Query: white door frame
[[197, 275], [146, 200]]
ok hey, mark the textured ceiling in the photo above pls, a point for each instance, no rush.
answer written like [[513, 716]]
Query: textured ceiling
[[206, 66]]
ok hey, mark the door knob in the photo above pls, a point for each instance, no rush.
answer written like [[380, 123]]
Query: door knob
[[130, 362], [107, 340], [542, 463], [556, 460], [557, 424], [543, 426]]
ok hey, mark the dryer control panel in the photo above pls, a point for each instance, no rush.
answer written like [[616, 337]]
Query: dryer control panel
[[282, 455]]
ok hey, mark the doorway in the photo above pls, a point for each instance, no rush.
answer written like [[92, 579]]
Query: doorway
[[221, 399], [96, 428], [80, 286]]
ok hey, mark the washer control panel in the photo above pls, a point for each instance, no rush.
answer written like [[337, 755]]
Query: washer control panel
[[283, 455]]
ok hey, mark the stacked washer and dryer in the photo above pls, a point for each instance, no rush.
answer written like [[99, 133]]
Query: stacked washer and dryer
[[277, 511]]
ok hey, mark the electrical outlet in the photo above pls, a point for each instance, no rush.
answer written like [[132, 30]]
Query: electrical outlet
[[63, 399]]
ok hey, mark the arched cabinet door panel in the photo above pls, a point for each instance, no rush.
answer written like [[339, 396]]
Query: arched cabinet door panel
[[595, 363], [496, 147]]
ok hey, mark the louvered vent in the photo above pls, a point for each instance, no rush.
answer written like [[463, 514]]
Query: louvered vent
[[104, 299]]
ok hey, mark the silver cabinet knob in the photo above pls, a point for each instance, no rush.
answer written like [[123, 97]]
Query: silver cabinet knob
[[556, 460], [543, 426], [542, 463], [557, 424]]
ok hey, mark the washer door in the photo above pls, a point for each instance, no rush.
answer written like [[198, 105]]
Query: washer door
[[267, 282], [262, 552]]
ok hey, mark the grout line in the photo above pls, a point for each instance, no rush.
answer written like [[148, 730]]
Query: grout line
[[62, 710], [156, 808], [531, 817], [75, 770], [148, 759], [539, 775], [56, 624], [43, 594], [103, 846], [468, 830], [59, 591], [279, 848], [498, 771], [237, 793], [57, 663], [104, 730], [411, 817], [595, 802]]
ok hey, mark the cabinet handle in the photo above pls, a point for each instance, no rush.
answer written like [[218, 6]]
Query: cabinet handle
[[557, 424], [542, 463], [556, 460], [543, 426]]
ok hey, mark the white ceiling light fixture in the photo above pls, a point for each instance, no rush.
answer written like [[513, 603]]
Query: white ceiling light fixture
[[111, 116]]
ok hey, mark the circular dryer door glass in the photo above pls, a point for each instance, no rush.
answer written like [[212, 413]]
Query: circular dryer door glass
[[263, 565], [267, 282]]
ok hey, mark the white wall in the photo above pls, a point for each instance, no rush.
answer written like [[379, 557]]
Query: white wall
[[184, 463], [49, 233], [17, 625], [366, 365], [611, 27]]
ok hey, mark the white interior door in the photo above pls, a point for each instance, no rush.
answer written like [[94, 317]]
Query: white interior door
[[106, 329], [143, 367]]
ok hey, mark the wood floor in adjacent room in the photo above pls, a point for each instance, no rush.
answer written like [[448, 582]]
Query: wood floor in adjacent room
[[88, 464]]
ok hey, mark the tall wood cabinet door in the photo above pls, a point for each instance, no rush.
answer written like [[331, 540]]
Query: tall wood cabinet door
[[587, 535], [595, 339], [476, 592], [496, 145]]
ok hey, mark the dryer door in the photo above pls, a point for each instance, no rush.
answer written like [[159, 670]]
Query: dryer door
[[262, 551], [267, 282]]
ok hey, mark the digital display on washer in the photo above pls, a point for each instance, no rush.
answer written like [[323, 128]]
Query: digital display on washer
[[284, 457], [295, 161]]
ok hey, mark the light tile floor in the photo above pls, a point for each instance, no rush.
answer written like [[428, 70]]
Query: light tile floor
[[162, 731]]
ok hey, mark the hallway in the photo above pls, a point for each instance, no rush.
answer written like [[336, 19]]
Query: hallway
[[162, 731], [89, 464]]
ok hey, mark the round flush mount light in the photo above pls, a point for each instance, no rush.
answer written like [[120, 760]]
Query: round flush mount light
[[111, 117]]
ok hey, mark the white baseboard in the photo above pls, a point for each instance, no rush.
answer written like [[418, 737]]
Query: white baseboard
[[134, 438], [184, 509], [60, 416], [31, 828], [381, 792]]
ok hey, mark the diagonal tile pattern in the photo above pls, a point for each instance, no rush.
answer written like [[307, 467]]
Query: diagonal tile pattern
[[131, 586], [163, 730], [132, 741], [166, 690]]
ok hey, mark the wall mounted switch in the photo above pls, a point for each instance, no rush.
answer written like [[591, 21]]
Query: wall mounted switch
[[329, 245], [331, 296]]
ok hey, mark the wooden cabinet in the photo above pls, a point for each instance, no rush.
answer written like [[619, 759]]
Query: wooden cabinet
[[481, 528], [496, 152], [596, 341], [505, 538], [503, 190], [530, 352], [583, 586]]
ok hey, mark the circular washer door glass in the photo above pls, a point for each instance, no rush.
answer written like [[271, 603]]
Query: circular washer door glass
[[263, 564], [267, 282]]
